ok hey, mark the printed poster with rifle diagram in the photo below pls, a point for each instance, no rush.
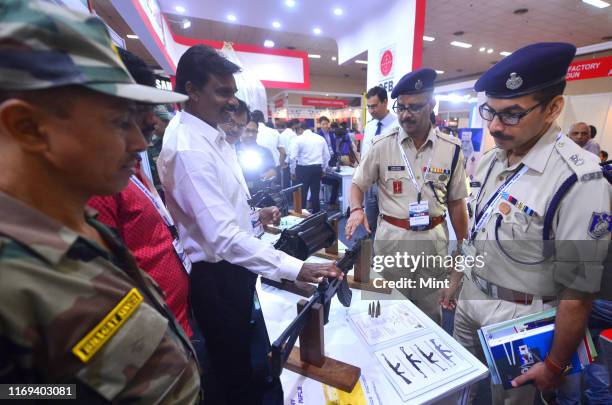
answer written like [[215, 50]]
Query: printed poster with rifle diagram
[[421, 364]]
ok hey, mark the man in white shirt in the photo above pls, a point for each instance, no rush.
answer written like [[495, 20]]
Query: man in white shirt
[[287, 137], [382, 121], [208, 197], [309, 158], [269, 138]]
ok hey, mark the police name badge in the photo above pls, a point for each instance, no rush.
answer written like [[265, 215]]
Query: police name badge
[[418, 213], [258, 229]]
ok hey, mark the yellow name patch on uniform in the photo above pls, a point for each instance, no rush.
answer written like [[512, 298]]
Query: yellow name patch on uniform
[[112, 322]]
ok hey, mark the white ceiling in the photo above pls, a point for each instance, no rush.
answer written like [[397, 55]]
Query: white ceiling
[[491, 24]]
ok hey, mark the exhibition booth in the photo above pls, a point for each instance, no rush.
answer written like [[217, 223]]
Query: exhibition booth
[[378, 346]]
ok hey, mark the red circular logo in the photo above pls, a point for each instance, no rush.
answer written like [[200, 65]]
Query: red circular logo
[[386, 63]]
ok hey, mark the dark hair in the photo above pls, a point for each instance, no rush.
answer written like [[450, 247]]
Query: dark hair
[[593, 131], [304, 125], [377, 91], [546, 94], [323, 118], [281, 124], [139, 70], [603, 152], [257, 116], [198, 63], [243, 108], [294, 123]]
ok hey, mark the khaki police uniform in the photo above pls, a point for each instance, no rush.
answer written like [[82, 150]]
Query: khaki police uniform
[[385, 166], [519, 217]]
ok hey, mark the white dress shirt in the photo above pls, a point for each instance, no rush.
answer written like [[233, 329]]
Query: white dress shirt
[[309, 149], [370, 130], [207, 195], [286, 139], [269, 138]]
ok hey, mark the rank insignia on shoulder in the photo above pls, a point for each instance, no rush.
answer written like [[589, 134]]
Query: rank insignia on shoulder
[[591, 176], [475, 184], [600, 225], [396, 168]]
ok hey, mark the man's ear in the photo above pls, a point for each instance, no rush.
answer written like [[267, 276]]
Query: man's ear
[[554, 108], [192, 91], [24, 124]]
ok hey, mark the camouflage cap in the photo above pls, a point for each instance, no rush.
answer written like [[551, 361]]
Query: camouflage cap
[[43, 45]]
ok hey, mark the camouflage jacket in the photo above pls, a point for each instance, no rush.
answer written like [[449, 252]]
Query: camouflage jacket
[[71, 312]]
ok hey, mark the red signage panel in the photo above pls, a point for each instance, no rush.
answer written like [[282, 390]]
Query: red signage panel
[[590, 69], [324, 102]]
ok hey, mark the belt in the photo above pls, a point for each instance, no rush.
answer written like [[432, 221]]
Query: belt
[[503, 293], [405, 223]]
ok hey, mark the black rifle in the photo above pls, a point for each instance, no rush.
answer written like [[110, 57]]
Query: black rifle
[[281, 348], [307, 237], [265, 195]]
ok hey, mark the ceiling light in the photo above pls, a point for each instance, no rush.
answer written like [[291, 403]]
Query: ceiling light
[[361, 62], [440, 72], [334, 58], [461, 44], [597, 3], [428, 38], [276, 24], [186, 24], [505, 53], [326, 94], [231, 17], [290, 3], [180, 9], [314, 56], [132, 36], [268, 43], [490, 50], [482, 49], [317, 30], [338, 11]]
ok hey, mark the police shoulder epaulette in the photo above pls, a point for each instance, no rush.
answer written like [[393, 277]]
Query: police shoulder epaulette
[[392, 132], [581, 162], [448, 138]]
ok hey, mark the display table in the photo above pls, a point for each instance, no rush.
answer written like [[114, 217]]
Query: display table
[[345, 342], [346, 175]]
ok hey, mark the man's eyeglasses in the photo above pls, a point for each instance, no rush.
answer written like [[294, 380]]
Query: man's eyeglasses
[[413, 108], [235, 126], [507, 118]]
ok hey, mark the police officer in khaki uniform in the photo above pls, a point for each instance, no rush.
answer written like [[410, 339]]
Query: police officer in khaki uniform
[[540, 216], [420, 177]]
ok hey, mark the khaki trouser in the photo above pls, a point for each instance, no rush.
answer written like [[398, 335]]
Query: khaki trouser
[[475, 310], [391, 239]]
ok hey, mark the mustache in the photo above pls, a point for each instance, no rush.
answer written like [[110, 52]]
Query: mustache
[[404, 122], [501, 136]]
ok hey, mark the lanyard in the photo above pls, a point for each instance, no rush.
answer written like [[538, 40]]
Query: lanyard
[[161, 209], [482, 218], [156, 201], [417, 187]]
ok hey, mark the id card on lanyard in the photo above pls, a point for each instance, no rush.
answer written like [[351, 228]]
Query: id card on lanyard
[[165, 215], [481, 219], [418, 211]]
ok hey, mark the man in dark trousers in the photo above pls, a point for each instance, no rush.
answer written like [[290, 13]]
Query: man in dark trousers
[[309, 158], [208, 197]]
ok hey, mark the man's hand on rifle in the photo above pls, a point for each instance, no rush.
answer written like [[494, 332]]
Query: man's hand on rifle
[[270, 215], [357, 218], [314, 272]]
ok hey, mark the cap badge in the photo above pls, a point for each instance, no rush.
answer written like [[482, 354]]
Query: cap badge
[[514, 81], [418, 85]]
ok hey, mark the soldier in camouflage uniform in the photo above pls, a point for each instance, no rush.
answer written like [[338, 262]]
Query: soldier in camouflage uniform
[[74, 307]]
